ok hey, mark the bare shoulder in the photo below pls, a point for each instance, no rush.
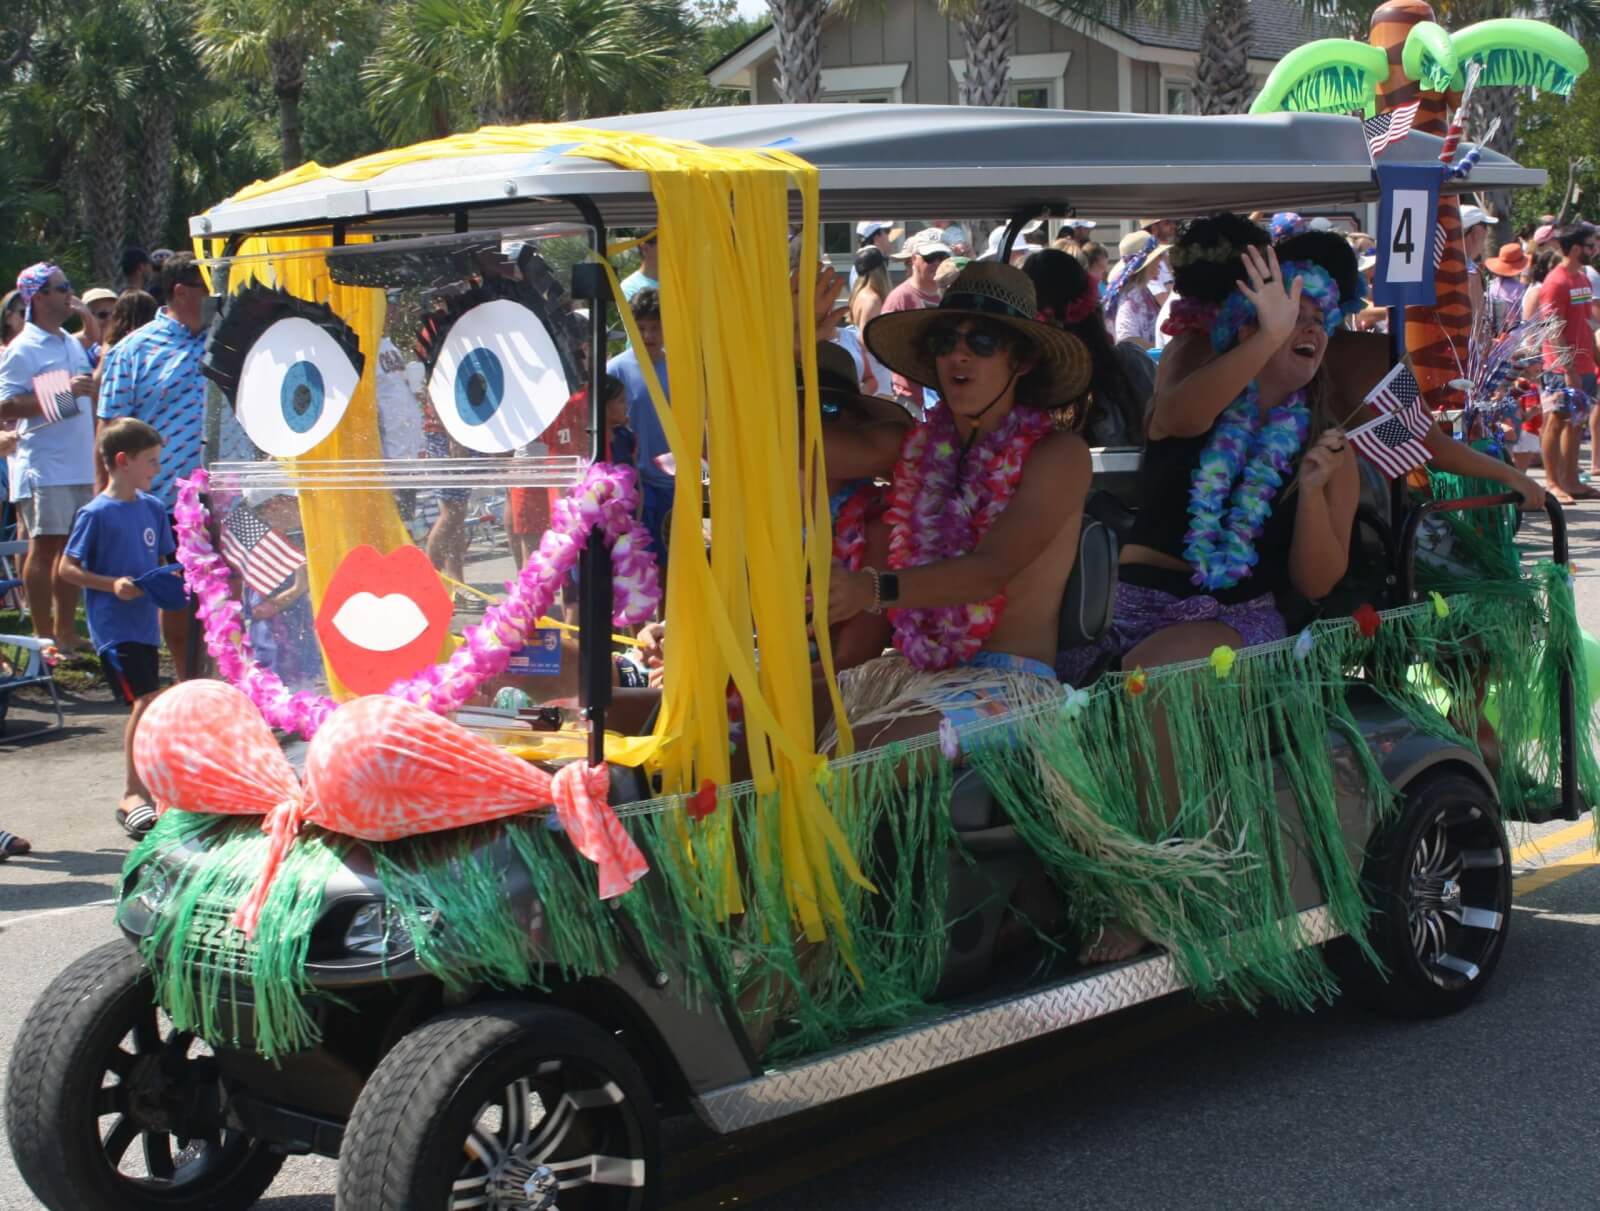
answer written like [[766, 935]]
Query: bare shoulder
[[1062, 462]]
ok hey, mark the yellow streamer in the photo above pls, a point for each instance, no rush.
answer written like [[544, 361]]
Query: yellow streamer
[[730, 330]]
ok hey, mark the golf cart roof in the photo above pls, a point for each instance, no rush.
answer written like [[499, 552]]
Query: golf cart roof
[[891, 160]]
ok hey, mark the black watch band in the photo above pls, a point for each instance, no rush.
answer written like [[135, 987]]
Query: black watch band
[[888, 588]]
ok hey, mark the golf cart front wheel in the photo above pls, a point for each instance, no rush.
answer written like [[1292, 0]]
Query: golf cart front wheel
[[1439, 878], [516, 1107], [110, 1109]]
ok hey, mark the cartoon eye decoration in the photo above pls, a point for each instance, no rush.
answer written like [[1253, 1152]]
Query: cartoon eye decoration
[[497, 379], [288, 366]]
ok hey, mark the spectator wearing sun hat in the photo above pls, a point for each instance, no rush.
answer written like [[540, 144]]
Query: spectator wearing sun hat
[[1131, 307], [1506, 287]]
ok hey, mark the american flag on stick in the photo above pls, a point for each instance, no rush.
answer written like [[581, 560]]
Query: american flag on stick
[[258, 552], [1398, 392], [1390, 127], [1393, 442], [53, 390]]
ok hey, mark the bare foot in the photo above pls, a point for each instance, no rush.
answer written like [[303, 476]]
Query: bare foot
[[1562, 498], [1115, 942]]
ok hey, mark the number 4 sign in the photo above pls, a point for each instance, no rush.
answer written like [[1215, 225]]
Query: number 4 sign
[[1407, 215]]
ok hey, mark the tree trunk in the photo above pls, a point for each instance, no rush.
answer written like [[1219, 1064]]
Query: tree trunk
[[157, 140], [1437, 337], [288, 84], [1222, 70], [989, 30], [103, 184], [798, 24], [1487, 105]]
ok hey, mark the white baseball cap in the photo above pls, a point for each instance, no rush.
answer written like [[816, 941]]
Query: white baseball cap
[[928, 242], [1472, 215], [1320, 223], [868, 228]]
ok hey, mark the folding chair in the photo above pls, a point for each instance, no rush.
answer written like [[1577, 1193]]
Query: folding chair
[[11, 554], [24, 665]]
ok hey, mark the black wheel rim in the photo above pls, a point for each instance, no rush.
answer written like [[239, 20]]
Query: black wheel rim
[[1456, 901], [157, 1114], [563, 1135]]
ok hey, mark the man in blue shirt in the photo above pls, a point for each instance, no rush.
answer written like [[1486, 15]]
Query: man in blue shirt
[[153, 375], [650, 438], [55, 456]]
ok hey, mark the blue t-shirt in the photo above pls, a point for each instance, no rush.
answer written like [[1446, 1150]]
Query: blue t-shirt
[[153, 373], [112, 537], [650, 438]]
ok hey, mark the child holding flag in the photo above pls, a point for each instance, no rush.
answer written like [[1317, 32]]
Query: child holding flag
[[118, 542]]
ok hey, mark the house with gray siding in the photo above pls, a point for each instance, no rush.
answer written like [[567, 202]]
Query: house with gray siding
[[909, 51]]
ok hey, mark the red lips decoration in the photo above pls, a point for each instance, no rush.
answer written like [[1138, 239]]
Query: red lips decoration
[[404, 571]]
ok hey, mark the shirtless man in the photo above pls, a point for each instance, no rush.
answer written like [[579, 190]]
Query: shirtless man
[[997, 370]]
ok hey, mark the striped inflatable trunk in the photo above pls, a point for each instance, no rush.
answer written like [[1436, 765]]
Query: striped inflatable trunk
[[1436, 336]]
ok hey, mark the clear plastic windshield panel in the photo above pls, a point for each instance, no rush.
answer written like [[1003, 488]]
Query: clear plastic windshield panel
[[389, 425]]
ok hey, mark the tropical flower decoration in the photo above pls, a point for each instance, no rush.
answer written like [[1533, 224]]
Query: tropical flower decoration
[[605, 500], [943, 503], [1247, 460]]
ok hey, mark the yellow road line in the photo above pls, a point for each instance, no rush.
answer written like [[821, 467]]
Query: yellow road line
[[1546, 875], [1537, 848]]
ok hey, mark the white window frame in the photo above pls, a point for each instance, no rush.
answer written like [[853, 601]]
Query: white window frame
[[1029, 71], [880, 80], [1183, 82]]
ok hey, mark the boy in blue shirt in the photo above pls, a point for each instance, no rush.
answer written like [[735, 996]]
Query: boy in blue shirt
[[119, 536]]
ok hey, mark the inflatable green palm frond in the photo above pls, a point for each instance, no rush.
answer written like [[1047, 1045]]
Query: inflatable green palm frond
[[1430, 56], [1521, 53], [1330, 76]]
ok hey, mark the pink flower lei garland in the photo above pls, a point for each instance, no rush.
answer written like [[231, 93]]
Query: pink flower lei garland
[[606, 500], [940, 507]]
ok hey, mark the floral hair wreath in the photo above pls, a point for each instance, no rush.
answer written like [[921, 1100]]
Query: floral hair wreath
[[1318, 285]]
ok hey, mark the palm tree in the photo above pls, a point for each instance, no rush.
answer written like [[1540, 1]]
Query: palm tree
[[167, 87], [594, 52], [798, 24], [989, 29], [1410, 57], [445, 63], [271, 40], [1222, 69]]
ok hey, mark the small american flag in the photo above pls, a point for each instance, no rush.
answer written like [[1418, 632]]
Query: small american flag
[[53, 390], [258, 552], [1398, 392], [1393, 443], [1391, 127], [1439, 244]]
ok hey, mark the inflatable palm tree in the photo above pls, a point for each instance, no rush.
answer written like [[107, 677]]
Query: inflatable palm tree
[[1411, 58]]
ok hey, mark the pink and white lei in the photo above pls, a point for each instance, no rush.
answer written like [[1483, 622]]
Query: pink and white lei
[[606, 499], [940, 508]]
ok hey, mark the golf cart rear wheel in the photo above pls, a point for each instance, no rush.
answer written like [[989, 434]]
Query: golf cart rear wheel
[[110, 1109], [514, 1107], [1439, 879]]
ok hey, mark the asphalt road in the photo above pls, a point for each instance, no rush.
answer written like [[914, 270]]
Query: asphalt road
[[1167, 1105]]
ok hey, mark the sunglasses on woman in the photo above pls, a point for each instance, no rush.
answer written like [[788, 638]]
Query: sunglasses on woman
[[980, 340]]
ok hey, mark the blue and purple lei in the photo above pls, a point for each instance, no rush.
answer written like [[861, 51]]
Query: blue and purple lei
[[1247, 460]]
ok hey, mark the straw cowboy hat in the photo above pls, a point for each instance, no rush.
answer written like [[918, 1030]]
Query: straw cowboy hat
[[1003, 296], [840, 390]]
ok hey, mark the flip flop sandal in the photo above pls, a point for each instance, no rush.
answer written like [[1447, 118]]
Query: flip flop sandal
[[12, 846], [137, 820]]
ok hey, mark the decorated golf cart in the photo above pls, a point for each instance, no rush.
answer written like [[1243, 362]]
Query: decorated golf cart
[[476, 951]]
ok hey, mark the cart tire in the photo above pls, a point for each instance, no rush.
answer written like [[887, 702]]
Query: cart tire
[[72, 1133], [1438, 879], [503, 1100]]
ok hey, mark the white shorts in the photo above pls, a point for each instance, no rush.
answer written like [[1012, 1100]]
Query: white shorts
[[1527, 443], [50, 510]]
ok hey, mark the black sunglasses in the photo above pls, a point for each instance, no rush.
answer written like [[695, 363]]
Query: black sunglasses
[[980, 339]]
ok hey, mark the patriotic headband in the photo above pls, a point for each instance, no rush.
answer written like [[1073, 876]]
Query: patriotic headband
[[32, 280]]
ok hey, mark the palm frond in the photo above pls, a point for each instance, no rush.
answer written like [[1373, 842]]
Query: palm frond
[[1521, 53], [1430, 56], [1329, 76]]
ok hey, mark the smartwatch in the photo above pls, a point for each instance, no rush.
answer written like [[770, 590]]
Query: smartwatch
[[888, 588]]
